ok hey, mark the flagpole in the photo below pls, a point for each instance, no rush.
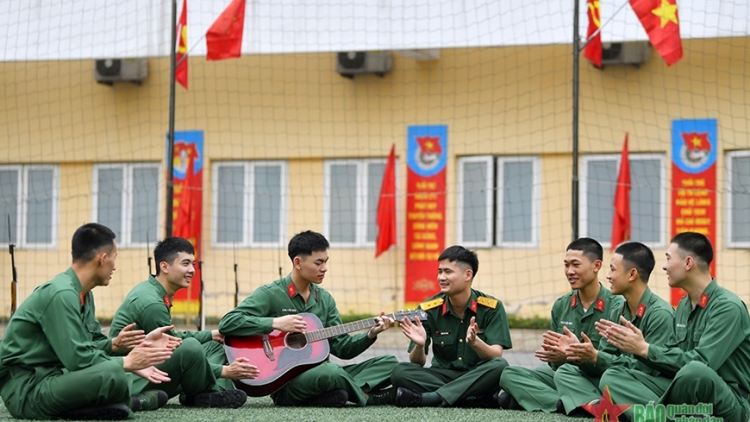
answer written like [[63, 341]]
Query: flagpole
[[599, 29], [170, 146], [576, 66]]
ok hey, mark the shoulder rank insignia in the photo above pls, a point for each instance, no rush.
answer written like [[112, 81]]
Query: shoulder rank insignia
[[431, 304], [485, 301]]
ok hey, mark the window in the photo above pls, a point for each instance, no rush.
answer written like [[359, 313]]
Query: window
[[249, 204], [498, 201], [738, 199], [352, 191], [29, 202], [126, 199], [647, 197]]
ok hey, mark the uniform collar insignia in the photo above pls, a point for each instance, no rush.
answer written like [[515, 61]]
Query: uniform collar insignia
[[474, 306], [600, 304], [704, 301], [82, 296], [167, 301], [641, 310], [291, 290], [445, 307], [574, 300]]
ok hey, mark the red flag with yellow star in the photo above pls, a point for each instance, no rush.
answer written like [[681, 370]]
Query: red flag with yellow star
[[181, 69], [224, 37], [593, 50], [661, 22]]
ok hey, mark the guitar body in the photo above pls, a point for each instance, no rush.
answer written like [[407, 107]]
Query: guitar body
[[279, 356]]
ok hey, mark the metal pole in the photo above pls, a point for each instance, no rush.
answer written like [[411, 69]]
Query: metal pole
[[170, 147], [576, 64]]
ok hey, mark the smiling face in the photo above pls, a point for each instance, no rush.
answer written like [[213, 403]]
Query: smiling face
[[580, 270], [106, 268], [675, 266], [179, 273], [312, 268], [454, 277], [620, 278]]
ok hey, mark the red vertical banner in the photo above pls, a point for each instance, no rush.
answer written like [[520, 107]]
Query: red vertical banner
[[694, 146], [426, 150], [188, 210]]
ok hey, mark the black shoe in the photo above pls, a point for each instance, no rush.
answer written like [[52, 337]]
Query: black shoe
[[487, 401], [225, 398], [108, 412], [560, 407], [504, 400], [381, 397], [149, 400], [408, 398], [335, 398]]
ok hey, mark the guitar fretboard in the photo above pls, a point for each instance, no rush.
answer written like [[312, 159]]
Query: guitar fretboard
[[349, 327]]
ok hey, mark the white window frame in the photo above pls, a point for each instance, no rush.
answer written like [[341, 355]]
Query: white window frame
[[663, 188], [489, 161], [362, 198], [536, 199], [728, 226], [248, 167], [22, 205], [125, 239]]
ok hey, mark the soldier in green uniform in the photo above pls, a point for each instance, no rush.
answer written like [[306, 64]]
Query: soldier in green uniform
[[275, 307], [468, 331], [148, 306], [708, 358], [629, 271], [577, 311], [54, 360]]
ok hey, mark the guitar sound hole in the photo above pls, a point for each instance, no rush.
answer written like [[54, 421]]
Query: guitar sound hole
[[296, 340]]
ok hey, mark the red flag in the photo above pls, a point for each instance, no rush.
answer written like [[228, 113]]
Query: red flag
[[387, 207], [593, 50], [181, 70], [621, 219], [660, 20], [224, 37]]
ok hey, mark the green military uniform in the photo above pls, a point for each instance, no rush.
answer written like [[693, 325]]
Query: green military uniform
[[457, 372], [578, 385], [707, 359], [535, 389], [54, 357], [254, 316], [148, 305]]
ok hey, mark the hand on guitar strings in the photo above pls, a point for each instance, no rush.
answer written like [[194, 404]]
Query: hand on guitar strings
[[289, 324], [240, 369], [382, 323], [127, 338]]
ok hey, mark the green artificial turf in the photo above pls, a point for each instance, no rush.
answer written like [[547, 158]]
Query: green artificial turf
[[263, 410]]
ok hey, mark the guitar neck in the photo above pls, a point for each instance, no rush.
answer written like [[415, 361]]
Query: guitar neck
[[349, 327]]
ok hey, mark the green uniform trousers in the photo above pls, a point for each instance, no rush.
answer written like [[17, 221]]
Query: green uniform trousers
[[42, 393], [218, 358], [188, 370], [532, 389], [694, 383], [357, 379], [452, 385], [575, 387]]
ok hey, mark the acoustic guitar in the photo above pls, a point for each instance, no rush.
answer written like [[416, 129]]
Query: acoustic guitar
[[281, 356]]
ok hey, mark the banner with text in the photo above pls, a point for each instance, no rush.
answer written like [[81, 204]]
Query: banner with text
[[426, 157], [187, 210], [694, 147]]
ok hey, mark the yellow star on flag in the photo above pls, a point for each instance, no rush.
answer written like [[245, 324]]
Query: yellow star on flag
[[667, 12], [697, 142]]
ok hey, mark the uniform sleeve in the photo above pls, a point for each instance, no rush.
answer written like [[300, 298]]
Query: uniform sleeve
[[496, 330], [101, 341], [607, 353], [68, 336], [156, 315], [250, 316], [555, 324], [715, 343], [345, 346]]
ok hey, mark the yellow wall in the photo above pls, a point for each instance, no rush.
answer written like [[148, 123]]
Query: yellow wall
[[500, 101]]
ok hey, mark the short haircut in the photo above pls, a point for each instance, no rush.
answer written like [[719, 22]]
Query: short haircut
[[89, 240], [303, 244], [458, 253], [590, 247], [168, 249], [696, 245], [639, 256]]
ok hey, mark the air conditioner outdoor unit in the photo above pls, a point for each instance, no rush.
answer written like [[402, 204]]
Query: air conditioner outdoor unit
[[625, 53], [109, 71], [353, 63]]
